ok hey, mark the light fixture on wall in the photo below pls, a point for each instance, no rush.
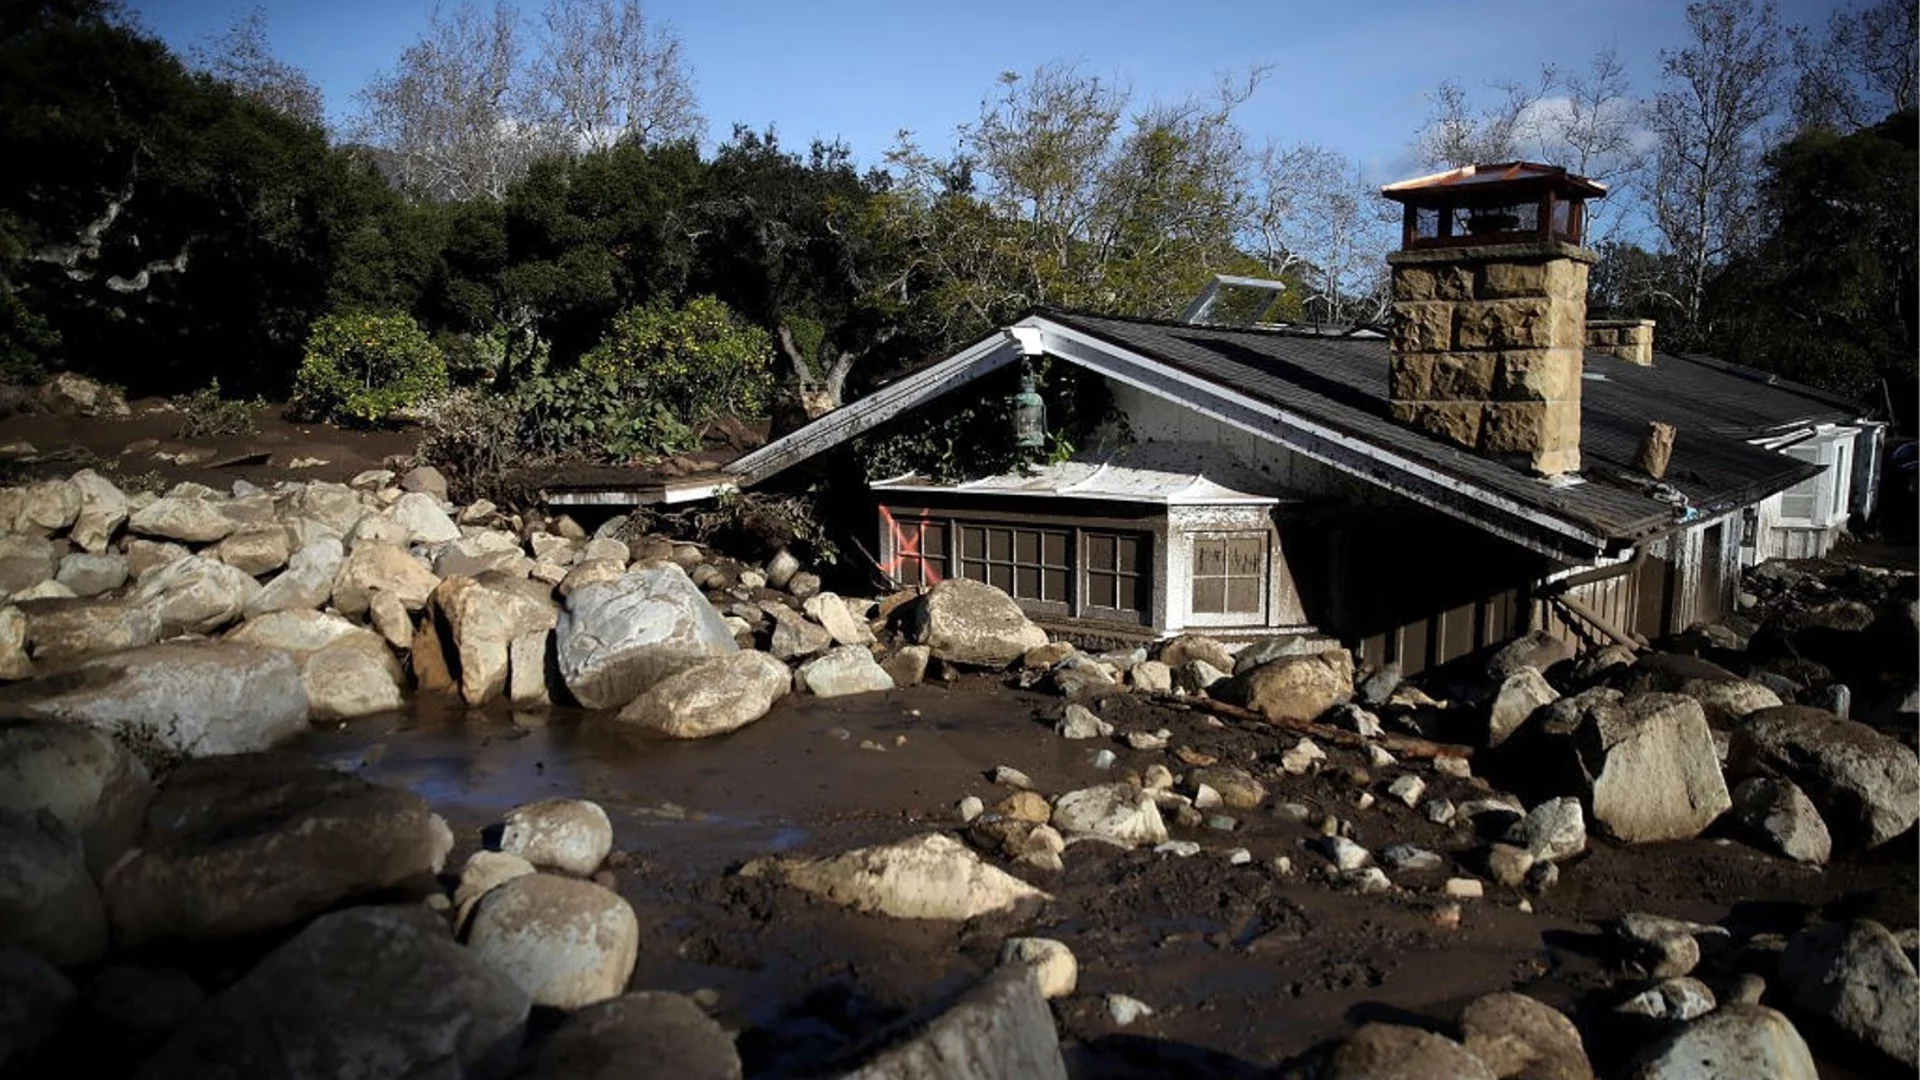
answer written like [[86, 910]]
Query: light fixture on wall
[[1029, 408], [1029, 413]]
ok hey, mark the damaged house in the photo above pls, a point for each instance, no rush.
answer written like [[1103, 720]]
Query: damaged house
[[1495, 464]]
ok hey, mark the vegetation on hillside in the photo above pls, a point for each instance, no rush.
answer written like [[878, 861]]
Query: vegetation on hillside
[[521, 219]]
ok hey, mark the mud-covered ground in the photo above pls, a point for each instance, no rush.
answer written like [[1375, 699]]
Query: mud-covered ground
[[1245, 966]]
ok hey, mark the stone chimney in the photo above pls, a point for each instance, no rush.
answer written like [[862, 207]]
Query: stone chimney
[[1629, 339], [1490, 309]]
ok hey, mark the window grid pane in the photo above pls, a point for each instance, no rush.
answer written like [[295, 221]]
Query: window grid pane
[[1229, 574]]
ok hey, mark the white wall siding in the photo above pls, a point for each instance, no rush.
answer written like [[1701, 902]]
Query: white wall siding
[[1151, 417]]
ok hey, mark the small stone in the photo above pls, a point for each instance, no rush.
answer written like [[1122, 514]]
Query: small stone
[[1157, 778], [1206, 798], [1465, 888], [1149, 740], [1379, 758], [1182, 848], [1508, 864], [1675, 999], [1407, 788], [1104, 759], [1222, 822], [1125, 1010], [1438, 811], [971, 807], [1052, 963], [1239, 857], [1081, 723], [1446, 916], [1009, 776], [1344, 853], [1302, 756], [1457, 767], [1366, 880], [1363, 800], [1282, 865], [1410, 858]]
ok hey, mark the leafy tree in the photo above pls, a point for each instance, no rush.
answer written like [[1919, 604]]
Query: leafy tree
[[165, 228], [1862, 68], [1829, 297]]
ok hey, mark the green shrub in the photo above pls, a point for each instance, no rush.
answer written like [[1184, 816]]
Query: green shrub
[[680, 368], [204, 414], [361, 368]]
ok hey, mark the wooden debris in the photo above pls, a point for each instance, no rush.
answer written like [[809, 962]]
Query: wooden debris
[[1402, 745]]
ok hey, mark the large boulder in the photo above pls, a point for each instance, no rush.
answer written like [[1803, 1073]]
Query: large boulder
[[1119, 812], [48, 902], [255, 549], [26, 561], [618, 638], [1517, 1036], [103, 509], [1726, 702], [371, 992], [834, 615], [307, 581], [297, 631], [386, 567], [1380, 1051], [711, 698], [34, 1002], [91, 784], [571, 835], [1855, 976], [355, 676], [68, 394], [1294, 687], [47, 507], [186, 518], [197, 595], [1197, 647], [1519, 696], [15, 664], [1734, 1042], [648, 1033], [242, 844], [925, 877], [1645, 765], [335, 508], [843, 670], [1000, 1027], [567, 943], [1866, 784], [973, 623], [60, 631], [795, 637], [91, 575], [482, 618], [1536, 649], [424, 521], [1779, 817], [174, 699]]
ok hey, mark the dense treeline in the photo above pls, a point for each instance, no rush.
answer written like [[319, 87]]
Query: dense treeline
[[166, 225]]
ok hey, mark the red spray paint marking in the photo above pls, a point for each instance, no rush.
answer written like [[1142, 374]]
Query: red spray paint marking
[[906, 549]]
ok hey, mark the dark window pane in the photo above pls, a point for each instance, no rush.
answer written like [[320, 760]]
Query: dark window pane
[[999, 545], [1129, 553], [1209, 596], [1246, 555], [1000, 576], [1101, 589], [1026, 583], [1243, 595], [1138, 595], [1099, 551], [1054, 548], [1209, 557], [1054, 582], [973, 542], [1026, 547]]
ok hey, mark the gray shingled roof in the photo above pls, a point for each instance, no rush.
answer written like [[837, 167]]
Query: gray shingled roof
[[1342, 383]]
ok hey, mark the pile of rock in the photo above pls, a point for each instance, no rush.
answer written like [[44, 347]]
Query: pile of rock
[[204, 622]]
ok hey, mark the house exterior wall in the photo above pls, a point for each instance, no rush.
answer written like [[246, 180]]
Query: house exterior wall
[[1806, 521]]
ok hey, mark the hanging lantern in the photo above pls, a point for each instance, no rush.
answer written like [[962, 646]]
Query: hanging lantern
[[1029, 414]]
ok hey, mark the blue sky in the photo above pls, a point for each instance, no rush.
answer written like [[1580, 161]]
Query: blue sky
[[1349, 76]]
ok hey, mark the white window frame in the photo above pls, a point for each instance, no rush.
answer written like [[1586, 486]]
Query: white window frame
[[1256, 617]]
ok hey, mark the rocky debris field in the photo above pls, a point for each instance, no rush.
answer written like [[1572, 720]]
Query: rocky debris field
[[1190, 860]]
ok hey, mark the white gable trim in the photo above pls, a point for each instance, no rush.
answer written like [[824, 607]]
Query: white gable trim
[[1404, 477]]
